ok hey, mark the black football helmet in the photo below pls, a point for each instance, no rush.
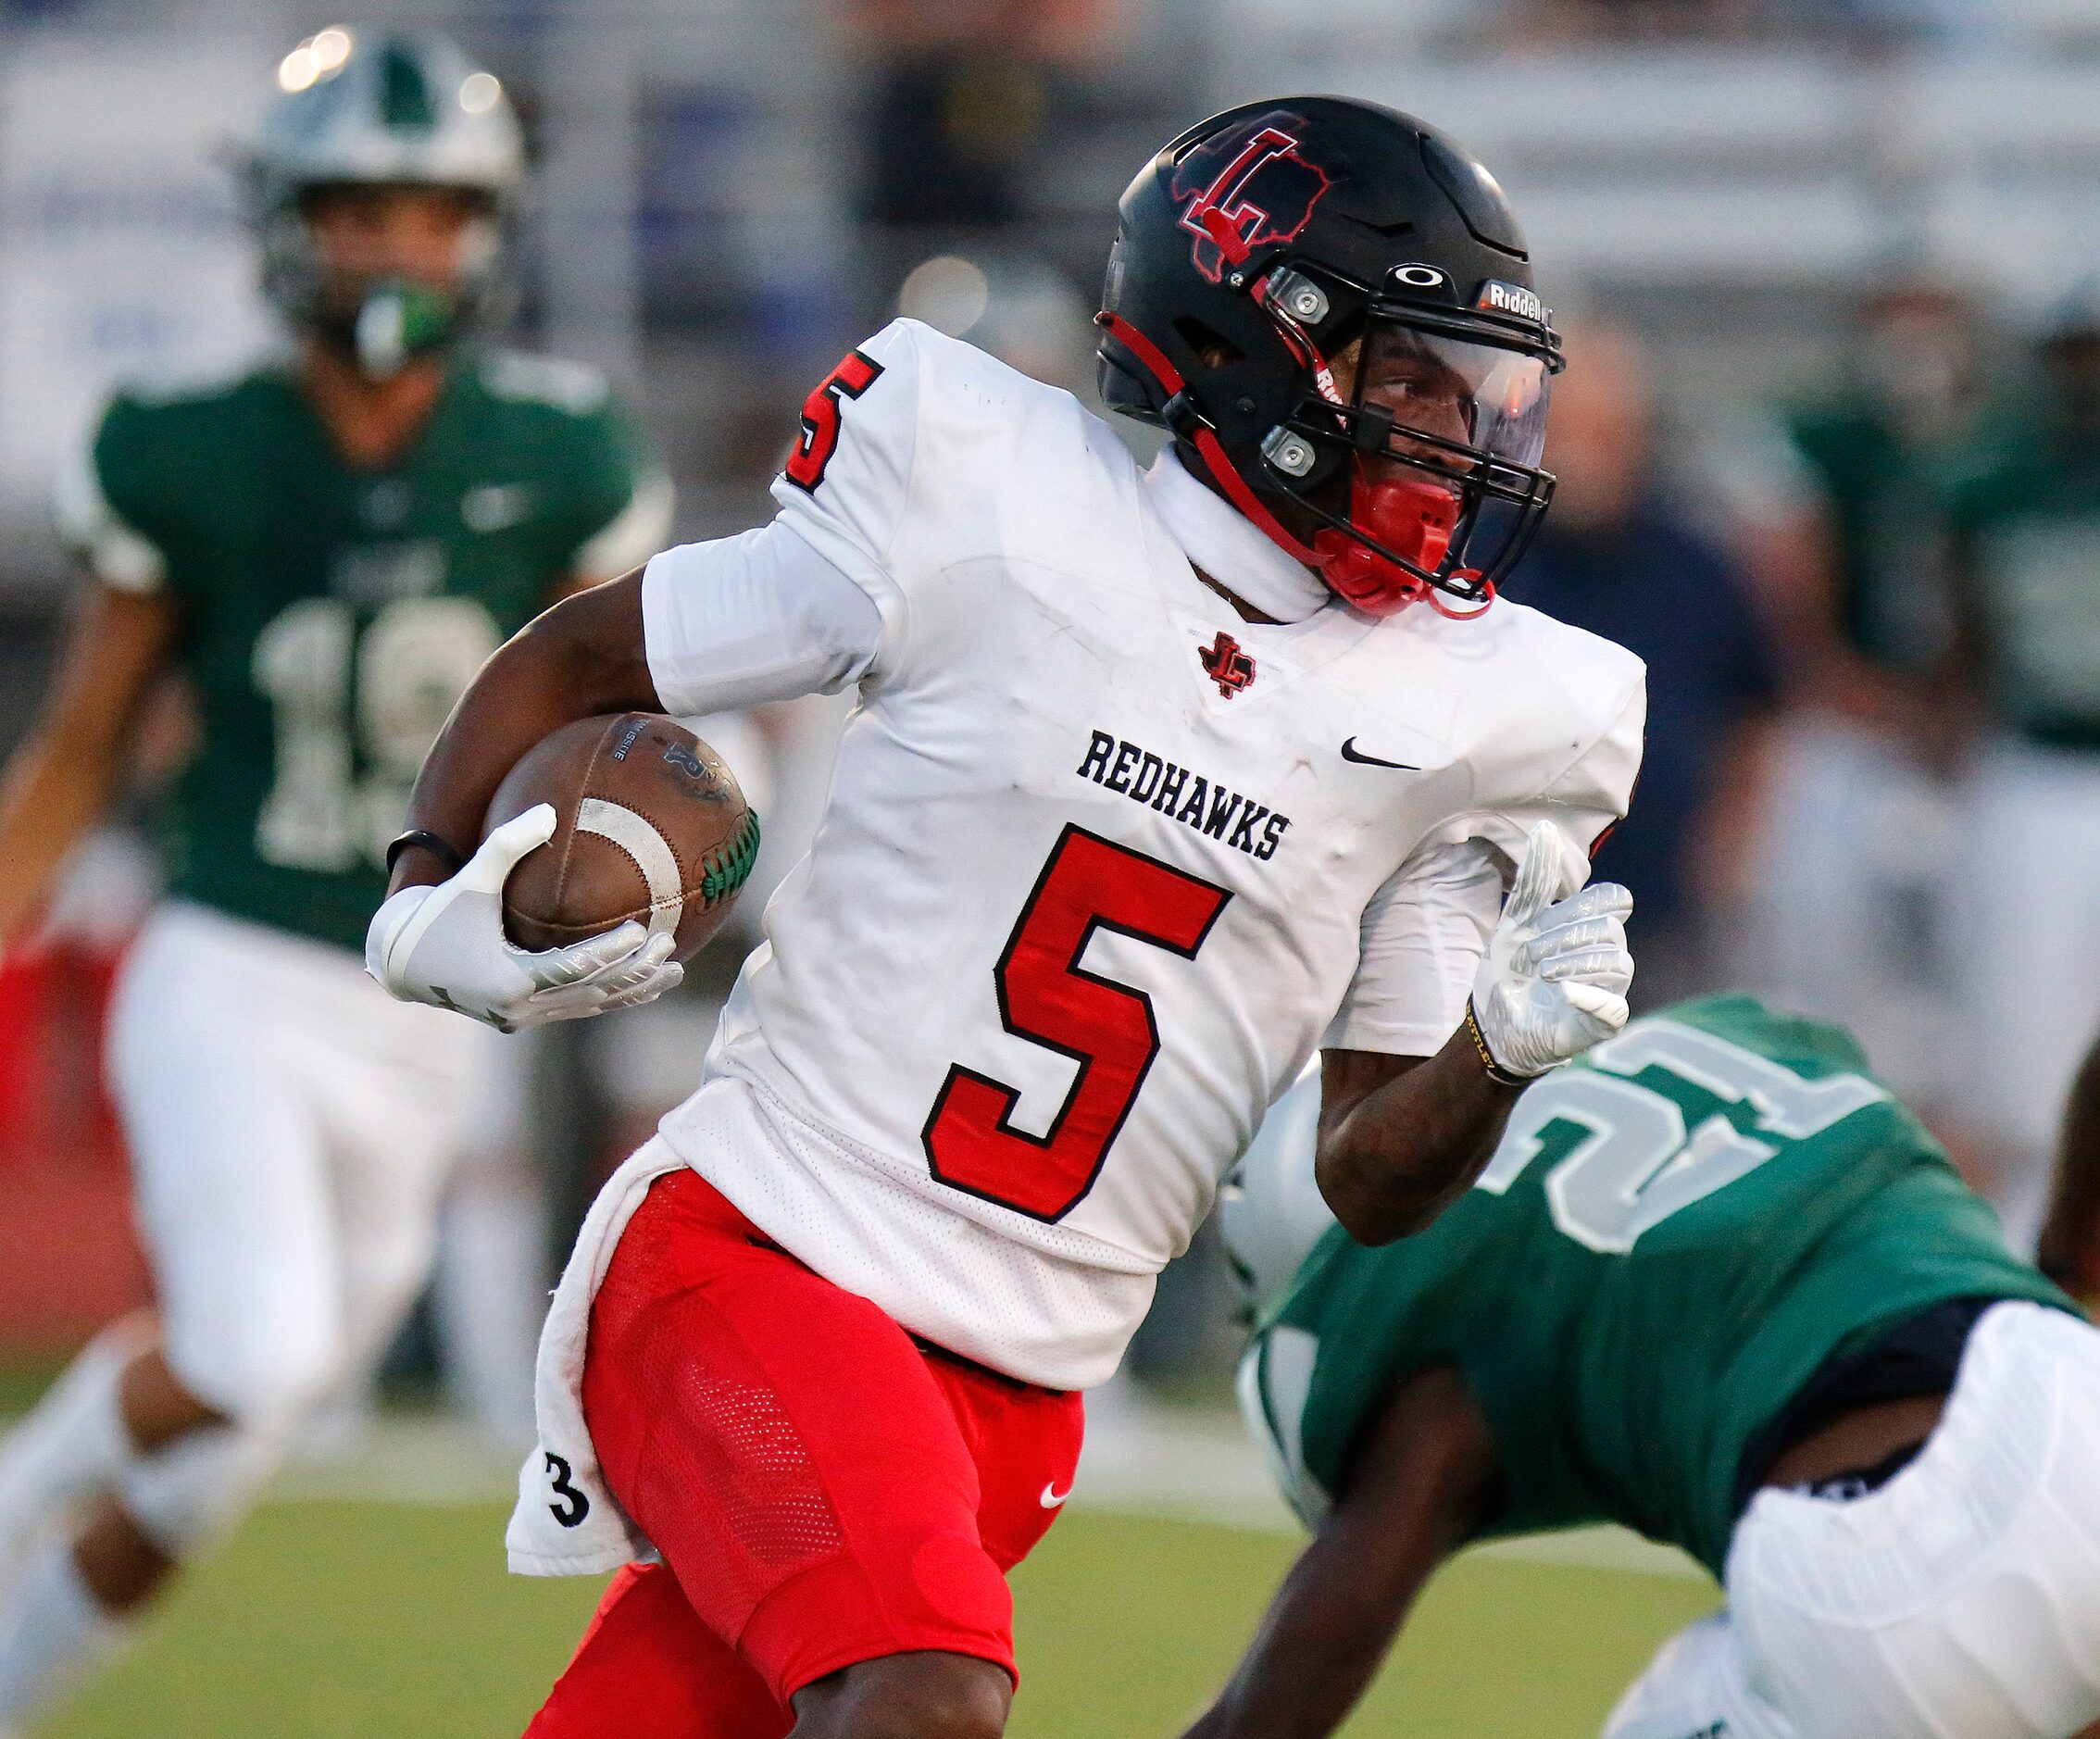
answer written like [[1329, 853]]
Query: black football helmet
[[1330, 303]]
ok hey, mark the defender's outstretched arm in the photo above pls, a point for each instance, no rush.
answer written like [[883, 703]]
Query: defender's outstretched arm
[[60, 782], [1420, 1482]]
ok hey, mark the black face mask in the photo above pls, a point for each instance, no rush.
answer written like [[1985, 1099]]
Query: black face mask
[[1445, 431]]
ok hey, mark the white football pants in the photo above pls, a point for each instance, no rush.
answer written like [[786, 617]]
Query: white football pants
[[1959, 1601], [290, 1126], [1849, 896]]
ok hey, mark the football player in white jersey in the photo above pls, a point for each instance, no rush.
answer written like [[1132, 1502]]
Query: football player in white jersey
[[1158, 783]]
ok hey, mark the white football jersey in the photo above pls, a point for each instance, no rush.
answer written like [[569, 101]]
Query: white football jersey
[[1104, 864]]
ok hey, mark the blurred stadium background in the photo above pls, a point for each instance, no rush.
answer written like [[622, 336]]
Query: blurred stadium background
[[1811, 254]]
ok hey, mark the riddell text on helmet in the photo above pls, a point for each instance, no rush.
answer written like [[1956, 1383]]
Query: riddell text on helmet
[[1190, 798]]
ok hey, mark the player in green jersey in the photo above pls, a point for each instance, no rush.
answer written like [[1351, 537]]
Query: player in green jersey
[[1852, 928], [1718, 1285], [2025, 934], [323, 550]]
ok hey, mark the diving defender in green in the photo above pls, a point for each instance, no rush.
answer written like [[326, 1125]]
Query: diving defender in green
[[1717, 1285], [323, 550]]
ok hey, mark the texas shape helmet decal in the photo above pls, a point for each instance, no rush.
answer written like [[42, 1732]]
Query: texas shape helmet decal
[[1247, 187]]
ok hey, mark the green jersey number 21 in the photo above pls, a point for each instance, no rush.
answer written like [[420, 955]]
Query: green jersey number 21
[[1638, 1163], [353, 716]]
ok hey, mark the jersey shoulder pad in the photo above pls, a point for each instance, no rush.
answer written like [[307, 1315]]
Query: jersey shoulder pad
[[1803, 1043], [177, 432], [1551, 720], [1588, 716], [982, 420], [918, 450], [1516, 675], [120, 498], [201, 390], [1587, 670], [106, 541], [185, 425], [517, 377], [603, 492]]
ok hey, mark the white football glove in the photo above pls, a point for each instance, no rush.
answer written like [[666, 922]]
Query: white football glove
[[444, 946], [1553, 981]]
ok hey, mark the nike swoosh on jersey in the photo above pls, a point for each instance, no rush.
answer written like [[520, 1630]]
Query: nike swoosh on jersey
[[1051, 1496], [1351, 752], [496, 506]]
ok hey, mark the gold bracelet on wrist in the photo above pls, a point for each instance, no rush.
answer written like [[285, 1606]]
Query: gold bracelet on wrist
[[1495, 1072]]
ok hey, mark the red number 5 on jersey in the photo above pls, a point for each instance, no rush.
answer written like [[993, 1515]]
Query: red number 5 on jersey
[[1088, 884], [820, 420]]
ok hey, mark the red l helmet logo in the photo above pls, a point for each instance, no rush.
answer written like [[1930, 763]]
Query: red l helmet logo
[[1263, 194]]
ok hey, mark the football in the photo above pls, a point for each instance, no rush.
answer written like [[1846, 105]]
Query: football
[[650, 825]]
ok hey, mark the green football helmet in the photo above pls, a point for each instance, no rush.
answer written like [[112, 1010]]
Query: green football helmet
[[383, 108], [1270, 1212]]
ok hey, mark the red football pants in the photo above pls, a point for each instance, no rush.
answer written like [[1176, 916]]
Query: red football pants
[[823, 1490]]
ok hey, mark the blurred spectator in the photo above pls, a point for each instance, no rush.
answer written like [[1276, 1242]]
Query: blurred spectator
[[2027, 569], [1866, 22], [1537, 22], [947, 136], [1618, 557], [1880, 450], [1018, 309], [961, 97], [1038, 30], [1849, 916]]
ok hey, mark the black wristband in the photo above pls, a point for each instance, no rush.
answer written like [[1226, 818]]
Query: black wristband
[[443, 850], [1495, 1072]]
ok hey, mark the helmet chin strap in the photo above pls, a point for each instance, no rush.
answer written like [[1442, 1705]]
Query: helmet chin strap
[[1204, 440], [1406, 515]]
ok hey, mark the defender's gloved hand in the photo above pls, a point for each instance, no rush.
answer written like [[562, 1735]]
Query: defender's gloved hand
[[1553, 981], [444, 946]]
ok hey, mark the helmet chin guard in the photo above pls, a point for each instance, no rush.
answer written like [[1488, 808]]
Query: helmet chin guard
[[1413, 518], [381, 327]]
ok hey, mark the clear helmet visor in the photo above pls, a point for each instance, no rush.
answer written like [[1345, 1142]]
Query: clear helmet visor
[[1458, 393], [1442, 486]]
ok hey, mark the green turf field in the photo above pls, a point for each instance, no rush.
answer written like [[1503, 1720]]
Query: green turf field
[[329, 1621]]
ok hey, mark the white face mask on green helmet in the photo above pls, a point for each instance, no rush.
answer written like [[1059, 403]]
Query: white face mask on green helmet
[[382, 108]]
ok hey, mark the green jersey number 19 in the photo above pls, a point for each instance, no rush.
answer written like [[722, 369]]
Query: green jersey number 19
[[354, 713]]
